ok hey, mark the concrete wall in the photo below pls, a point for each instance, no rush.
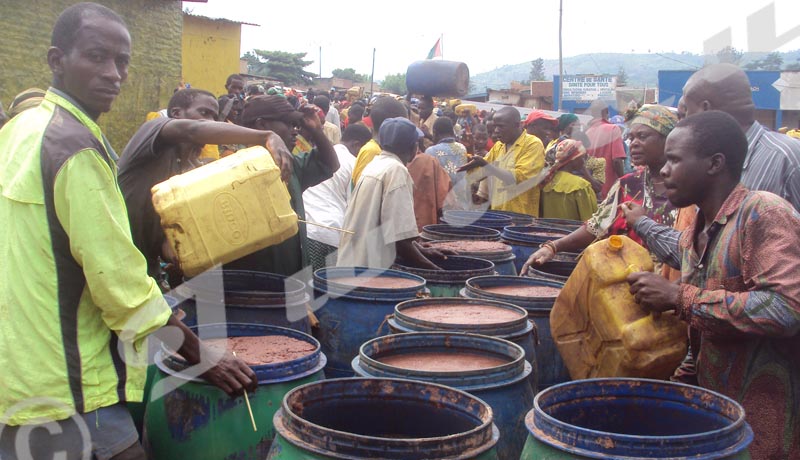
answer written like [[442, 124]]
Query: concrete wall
[[210, 52], [155, 27]]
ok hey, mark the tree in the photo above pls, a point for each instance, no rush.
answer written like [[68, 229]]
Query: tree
[[255, 66], [395, 83], [537, 70], [793, 66], [280, 65], [772, 61], [349, 74], [622, 77], [729, 55]]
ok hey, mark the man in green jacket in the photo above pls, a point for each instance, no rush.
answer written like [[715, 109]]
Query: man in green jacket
[[76, 304]]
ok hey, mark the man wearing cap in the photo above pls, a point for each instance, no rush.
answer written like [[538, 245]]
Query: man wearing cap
[[381, 211], [512, 167], [541, 125], [275, 113]]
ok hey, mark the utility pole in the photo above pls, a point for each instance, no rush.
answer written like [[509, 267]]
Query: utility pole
[[372, 75], [320, 62], [560, 56]]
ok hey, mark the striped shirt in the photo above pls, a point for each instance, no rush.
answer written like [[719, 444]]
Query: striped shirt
[[772, 163]]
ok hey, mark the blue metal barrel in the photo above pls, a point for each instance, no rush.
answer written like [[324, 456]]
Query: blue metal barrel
[[438, 232], [478, 319], [517, 218], [524, 241], [564, 224], [190, 418], [350, 315], [494, 251], [635, 418], [456, 270], [390, 419], [485, 219], [504, 386], [249, 297], [551, 367]]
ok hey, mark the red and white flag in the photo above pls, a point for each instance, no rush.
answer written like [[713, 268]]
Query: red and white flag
[[436, 51]]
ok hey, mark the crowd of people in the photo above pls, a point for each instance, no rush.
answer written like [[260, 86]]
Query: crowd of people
[[711, 193]]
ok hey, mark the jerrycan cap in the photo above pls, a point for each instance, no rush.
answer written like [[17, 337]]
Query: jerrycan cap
[[615, 243]]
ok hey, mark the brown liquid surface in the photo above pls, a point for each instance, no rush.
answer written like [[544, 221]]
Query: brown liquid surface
[[266, 349], [443, 362], [462, 314], [376, 281], [472, 246], [525, 291]]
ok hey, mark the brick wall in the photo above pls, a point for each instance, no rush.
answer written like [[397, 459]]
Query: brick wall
[[155, 71]]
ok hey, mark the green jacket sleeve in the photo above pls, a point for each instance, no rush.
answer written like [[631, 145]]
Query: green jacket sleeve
[[91, 209]]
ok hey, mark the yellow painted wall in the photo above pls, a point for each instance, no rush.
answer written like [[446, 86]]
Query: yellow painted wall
[[210, 52], [155, 71]]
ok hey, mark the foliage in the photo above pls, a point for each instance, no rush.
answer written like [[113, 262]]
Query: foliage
[[255, 66], [280, 65], [622, 77], [537, 70], [793, 66], [350, 74], [772, 61], [730, 55], [395, 83]]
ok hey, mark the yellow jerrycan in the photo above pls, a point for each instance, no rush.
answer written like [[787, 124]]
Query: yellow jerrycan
[[600, 330], [224, 210]]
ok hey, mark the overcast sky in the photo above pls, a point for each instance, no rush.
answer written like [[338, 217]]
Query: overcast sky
[[500, 32]]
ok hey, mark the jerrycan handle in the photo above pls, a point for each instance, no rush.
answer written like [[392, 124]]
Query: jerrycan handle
[[633, 269]]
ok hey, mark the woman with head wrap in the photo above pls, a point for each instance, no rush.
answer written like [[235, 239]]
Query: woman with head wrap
[[648, 133], [565, 194], [569, 127]]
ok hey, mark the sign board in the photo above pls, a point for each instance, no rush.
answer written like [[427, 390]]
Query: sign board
[[587, 88]]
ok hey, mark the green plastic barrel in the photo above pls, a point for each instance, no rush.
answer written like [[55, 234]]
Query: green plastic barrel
[[456, 270], [192, 419], [625, 419], [389, 419]]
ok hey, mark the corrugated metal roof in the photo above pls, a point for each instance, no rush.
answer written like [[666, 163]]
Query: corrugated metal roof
[[230, 21]]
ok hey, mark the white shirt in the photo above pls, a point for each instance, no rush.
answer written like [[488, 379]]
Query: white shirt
[[333, 116], [380, 212], [326, 202]]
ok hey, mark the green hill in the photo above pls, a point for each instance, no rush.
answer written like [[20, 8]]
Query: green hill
[[641, 69]]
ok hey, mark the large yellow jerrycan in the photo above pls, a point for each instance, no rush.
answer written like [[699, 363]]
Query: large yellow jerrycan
[[598, 327], [224, 210]]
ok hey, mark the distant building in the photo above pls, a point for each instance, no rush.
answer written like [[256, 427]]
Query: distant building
[[776, 94], [210, 51]]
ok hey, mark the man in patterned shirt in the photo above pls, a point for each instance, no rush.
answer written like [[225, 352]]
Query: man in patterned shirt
[[739, 289], [451, 155]]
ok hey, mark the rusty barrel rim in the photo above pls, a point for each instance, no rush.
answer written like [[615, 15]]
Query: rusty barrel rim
[[506, 329], [455, 269], [266, 373], [436, 232], [290, 424], [722, 442], [325, 282], [251, 289], [368, 364], [477, 286]]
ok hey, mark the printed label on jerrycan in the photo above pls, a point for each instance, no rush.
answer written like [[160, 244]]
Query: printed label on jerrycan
[[230, 219]]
